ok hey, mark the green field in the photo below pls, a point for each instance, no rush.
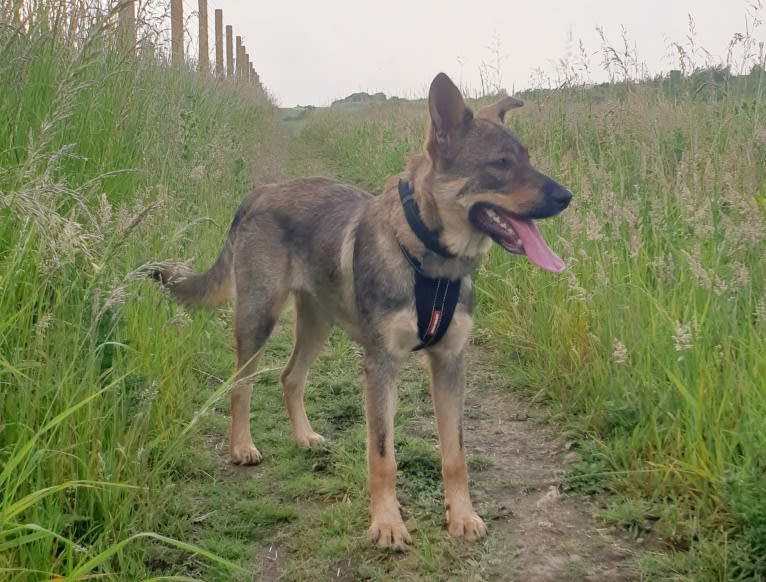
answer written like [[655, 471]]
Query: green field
[[648, 356]]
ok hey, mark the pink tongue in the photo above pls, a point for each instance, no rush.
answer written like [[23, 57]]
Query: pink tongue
[[534, 246]]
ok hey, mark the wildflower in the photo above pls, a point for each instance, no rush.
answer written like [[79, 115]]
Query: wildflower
[[104, 212], [577, 291], [721, 354], [657, 214], [593, 227], [741, 274], [150, 393], [619, 352], [699, 272], [683, 336], [115, 297], [664, 267], [566, 246], [112, 299], [720, 286], [635, 243], [601, 279], [42, 325], [760, 310], [197, 173], [180, 319]]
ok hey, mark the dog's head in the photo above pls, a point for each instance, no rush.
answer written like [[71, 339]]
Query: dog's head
[[488, 174]]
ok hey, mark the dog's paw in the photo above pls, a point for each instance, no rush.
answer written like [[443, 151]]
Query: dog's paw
[[245, 454], [308, 439], [390, 534], [467, 525]]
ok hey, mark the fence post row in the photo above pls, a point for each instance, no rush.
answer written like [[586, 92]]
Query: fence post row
[[238, 57], [204, 56], [229, 51], [126, 27], [177, 33], [218, 42], [238, 64]]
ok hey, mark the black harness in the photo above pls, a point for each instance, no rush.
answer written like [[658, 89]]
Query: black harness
[[435, 299]]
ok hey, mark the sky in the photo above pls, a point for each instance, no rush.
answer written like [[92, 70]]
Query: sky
[[313, 52]]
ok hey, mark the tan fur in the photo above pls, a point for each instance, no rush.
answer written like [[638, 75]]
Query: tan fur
[[336, 250]]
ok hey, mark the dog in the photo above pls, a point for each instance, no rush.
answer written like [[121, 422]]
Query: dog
[[394, 272]]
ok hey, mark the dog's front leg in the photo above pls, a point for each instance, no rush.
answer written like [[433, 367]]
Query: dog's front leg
[[387, 529], [447, 390]]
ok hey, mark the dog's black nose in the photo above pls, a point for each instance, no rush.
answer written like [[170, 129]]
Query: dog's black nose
[[557, 194], [562, 197]]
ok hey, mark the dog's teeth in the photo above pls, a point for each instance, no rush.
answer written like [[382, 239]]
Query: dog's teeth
[[500, 222]]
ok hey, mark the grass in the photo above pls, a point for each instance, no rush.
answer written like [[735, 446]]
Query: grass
[[649, 352], [104, 158], [653, 344]]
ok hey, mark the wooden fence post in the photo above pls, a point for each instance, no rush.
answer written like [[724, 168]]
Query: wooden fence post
[[243, 62], [229, 52], [238, 57], [126, 34], [177, 32], [204, 50], [218, 43]]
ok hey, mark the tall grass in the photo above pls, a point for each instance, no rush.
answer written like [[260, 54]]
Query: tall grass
[[104, 155], [655, 337], [651, 349]]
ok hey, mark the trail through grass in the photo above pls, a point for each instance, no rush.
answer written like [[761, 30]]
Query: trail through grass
[[648, 355], [302, 514]]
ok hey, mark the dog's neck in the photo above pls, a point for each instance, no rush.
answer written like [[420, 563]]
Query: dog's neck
[[435, 260], [428, 237]]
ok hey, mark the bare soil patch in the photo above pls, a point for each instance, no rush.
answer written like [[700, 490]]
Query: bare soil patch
[[544, 534]]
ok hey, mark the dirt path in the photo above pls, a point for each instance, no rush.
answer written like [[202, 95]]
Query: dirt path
[[536, 532], [547, 535]]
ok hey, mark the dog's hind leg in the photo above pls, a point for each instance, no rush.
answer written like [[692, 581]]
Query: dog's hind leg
[[447, 390], [254, 318], [311, 331]]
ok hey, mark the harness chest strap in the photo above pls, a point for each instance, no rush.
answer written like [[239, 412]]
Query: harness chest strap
[[435, 299], [435, 303]]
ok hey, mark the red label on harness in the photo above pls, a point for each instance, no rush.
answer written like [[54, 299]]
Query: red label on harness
[[434, 323]]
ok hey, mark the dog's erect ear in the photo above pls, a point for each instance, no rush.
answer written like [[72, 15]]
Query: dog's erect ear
[[498, 110], [449, 117]]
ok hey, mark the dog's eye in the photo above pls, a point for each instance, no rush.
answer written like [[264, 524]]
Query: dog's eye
[[501, 163]]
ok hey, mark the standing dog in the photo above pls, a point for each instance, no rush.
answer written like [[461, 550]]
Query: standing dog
[[394, 271]]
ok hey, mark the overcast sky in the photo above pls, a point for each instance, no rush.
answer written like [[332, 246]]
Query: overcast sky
[[311, 52]]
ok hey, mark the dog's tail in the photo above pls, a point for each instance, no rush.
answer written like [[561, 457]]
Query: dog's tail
[[208, 289]]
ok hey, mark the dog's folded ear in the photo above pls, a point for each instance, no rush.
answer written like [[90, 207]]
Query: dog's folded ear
[[449, 118], [498, 110]]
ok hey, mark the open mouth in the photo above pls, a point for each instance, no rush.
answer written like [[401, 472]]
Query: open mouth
[[515, 235]]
